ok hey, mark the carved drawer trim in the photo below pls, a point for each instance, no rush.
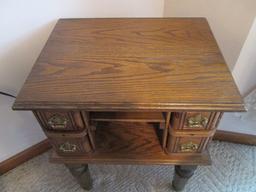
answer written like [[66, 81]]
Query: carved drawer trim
[[68, 144], [195, 120], [187, 144], [54, 120]]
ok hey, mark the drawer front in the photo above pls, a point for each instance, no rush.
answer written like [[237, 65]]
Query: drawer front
[[187, 144], [60, 121], [195, 120], [70, 144]]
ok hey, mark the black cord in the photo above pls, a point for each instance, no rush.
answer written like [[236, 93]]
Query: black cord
[[7, 94]]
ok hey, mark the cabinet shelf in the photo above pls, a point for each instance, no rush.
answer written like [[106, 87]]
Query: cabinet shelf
[[153, 117], [130, 143]]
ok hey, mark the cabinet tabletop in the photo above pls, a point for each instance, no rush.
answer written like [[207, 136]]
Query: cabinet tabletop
[[130, 64]]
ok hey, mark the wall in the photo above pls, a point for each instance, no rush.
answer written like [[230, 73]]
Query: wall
[[19, 129], [245, 68], [244, 75], [230, 20], [25, 26]]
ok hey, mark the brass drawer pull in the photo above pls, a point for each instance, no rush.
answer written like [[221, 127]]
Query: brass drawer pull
[[197, 121], [58, 122], [188, 147], [67, 147]]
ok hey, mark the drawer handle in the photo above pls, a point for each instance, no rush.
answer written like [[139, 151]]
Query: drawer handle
[[57, 122], [67, 147], [189, 147], [197, 121]]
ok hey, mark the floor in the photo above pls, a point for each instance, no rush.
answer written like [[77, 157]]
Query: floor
[[233, 170]]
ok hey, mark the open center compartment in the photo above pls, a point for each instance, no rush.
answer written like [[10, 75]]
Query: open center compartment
[[128, 131]]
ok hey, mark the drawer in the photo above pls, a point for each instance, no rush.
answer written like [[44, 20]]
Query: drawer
[[70, 143], [195, 120], [187, 144], [60, 120]]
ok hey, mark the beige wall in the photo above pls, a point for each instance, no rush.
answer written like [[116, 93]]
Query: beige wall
[[230, 20], [244, 75], [245, 69]]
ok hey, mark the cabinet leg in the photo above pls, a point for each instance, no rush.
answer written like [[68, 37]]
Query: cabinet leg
[[82, 175], [182, 174]]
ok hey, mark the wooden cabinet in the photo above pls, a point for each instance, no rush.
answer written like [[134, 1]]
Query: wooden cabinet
[[70, 144], [74, 132], [187, 144], [56, 120], [195, 120], [190, 132], [101, 88]]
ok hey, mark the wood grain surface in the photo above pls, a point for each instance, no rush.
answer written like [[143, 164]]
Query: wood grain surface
[[131, 143], [130, 64], [152, 117]]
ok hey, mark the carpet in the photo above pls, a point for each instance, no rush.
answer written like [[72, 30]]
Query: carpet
[[233, 170]]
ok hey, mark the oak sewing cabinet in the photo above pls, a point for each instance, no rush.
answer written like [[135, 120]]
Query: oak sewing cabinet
[[130, 91]]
